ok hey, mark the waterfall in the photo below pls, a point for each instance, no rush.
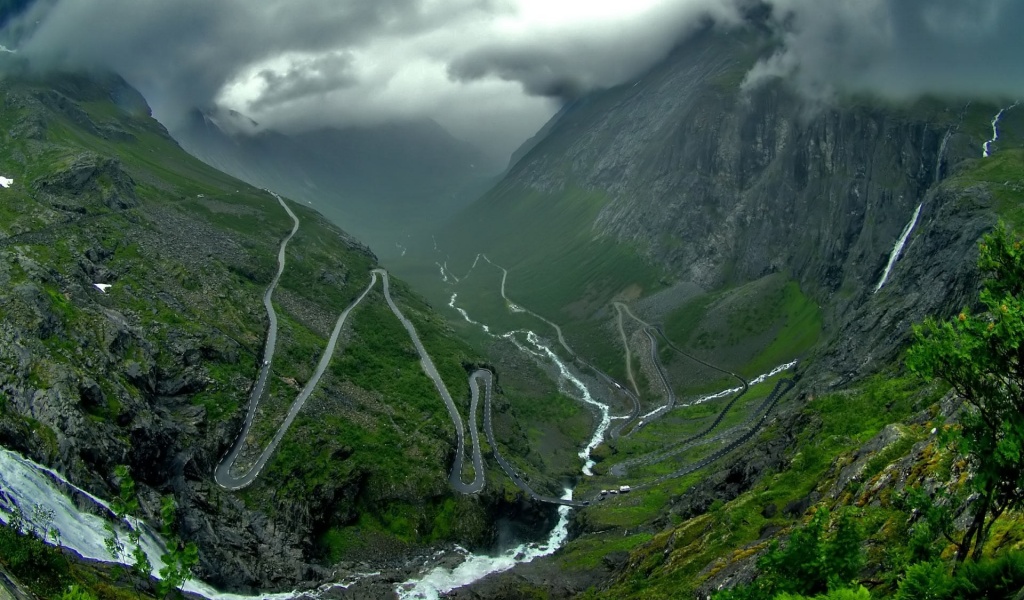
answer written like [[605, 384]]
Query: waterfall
[[942, 152], [898, 248], [26, 485], [986, 150], [442, 580]]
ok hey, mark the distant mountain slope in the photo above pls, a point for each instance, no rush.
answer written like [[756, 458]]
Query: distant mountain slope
[[680, 176], [378, 182]]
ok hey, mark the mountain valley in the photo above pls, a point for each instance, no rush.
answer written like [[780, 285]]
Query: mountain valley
[[645, 361]]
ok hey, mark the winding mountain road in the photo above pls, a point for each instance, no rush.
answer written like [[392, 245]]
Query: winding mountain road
[[625, 344], [758, 416], [223, 474], [487, 376], [455, 478], [781, 387]]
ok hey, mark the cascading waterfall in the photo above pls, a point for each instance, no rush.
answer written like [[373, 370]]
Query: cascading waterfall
[[941, 154], [894, 255], [898, 248], [442, 580], [986, 150], [584, 393], [26, 485]]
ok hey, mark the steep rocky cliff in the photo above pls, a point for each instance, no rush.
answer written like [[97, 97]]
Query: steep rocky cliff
[[706, 182]]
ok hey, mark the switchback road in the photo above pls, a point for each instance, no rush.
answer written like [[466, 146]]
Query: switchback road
[[223, 474]]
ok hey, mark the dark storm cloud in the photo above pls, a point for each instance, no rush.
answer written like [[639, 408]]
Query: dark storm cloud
[[492, 71], [899, 48], [295, 64], [564, 62], [182, 52]]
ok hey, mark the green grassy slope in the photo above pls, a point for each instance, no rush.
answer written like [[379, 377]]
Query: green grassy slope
[[750, 328], [102, 194]]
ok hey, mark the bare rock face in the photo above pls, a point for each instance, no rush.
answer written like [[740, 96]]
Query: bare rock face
[[90, 177], [719, 186]]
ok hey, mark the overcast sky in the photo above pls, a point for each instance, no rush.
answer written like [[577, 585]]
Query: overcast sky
[[493, 71]]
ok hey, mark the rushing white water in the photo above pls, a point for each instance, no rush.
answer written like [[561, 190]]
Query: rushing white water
[[26, 484], [477, 566], [465, 315], [772, 373], [895, 254], [446, 273], [584, 394], [986, 150], [759, 379]]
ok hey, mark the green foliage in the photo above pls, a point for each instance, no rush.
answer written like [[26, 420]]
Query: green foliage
[[124, 505], [1001, 577], [980, 356], [168, 508], [858, 593], [74, 592], [180, 558], [811, 562], [126, 502], [934, 519], [926, 581], [24, 551], [178, 563]]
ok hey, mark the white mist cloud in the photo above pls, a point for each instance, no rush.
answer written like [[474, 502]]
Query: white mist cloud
[[898, 48]]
